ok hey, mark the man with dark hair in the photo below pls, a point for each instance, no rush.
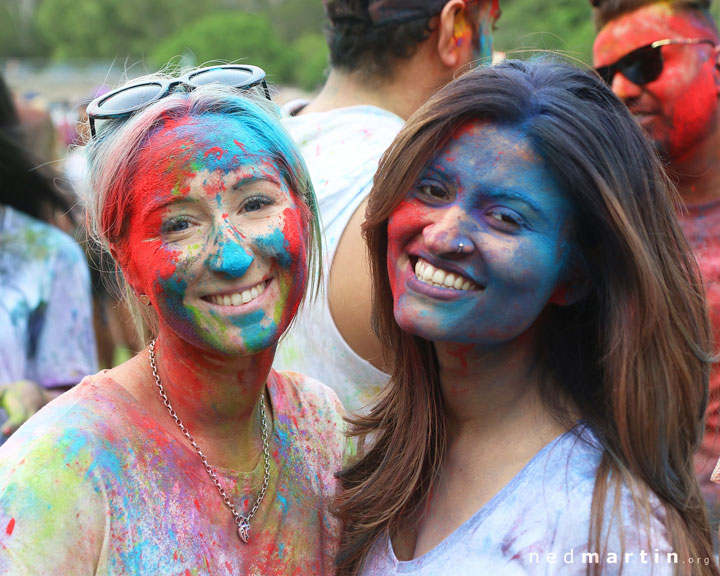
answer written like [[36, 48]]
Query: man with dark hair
[[387, 57], [663, 60]]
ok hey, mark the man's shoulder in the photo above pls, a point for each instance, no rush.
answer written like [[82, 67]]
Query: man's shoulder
[[363, 127]]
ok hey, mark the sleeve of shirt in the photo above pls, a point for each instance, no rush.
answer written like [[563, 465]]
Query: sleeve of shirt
[[66, 350], [52, 507], [637, 541]]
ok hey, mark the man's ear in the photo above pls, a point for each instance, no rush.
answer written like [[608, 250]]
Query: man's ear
[[716, 68], [454, 34]]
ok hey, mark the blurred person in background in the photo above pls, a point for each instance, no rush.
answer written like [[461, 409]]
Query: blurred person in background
[[115, 331], [386, 58], [46, 333], [663, 60], [38, 131]]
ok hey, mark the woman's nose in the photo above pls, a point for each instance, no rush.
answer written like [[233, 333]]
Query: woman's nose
[[229, 256], [450, 233]]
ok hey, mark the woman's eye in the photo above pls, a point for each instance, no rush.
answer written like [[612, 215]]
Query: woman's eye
[[179, 224], [432, 193], [507, 218], [256, 203]]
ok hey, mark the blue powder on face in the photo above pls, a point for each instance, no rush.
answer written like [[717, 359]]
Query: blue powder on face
[[275, 243], [255, 335], [232, 259]]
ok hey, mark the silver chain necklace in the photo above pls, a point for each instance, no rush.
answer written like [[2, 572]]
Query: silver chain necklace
[[242, 521]]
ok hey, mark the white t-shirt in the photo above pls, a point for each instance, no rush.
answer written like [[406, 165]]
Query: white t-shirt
[[341, 149], [539, 524]]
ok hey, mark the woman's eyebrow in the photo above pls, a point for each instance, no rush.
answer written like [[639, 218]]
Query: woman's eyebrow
[[515, 195], [433, 171], [158, 203], [251, 179]]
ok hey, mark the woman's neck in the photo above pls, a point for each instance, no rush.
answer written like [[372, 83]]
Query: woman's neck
[[484, 387], [216, 397], [497, 422]]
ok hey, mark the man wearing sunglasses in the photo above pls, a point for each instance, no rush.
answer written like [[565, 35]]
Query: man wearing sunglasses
[[387, 57], [663, 60]]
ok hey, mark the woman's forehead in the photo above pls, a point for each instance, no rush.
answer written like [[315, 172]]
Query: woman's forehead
[[207, 142]]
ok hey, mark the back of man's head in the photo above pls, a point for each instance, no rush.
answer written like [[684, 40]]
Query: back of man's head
[[370, 36], [606, 10]]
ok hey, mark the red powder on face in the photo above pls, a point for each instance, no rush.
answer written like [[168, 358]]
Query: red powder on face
[[296, 246], [166, 170], [408, 215], [293, 232], [676, 109], [216, 151], [10, 527]]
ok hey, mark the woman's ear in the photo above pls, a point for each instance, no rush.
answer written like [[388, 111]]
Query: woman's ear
[[125, 264], [574, 288]]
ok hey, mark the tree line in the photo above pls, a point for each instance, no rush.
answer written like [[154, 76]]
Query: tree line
[[283, 36]]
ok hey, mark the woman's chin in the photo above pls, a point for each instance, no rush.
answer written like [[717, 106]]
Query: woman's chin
[[420, 325]]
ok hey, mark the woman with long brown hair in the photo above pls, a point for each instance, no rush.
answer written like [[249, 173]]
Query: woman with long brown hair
[[548, 340]]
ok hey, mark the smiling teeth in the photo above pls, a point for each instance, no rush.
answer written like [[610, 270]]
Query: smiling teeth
[[428, 274], [239, 298]]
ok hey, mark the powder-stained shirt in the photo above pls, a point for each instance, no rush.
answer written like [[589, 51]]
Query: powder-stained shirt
[[342, 149], [701, 224], [539, 524], [92, 484], [46, 330]]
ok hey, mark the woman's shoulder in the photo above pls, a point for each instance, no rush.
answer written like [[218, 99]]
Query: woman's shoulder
[[56, 482], [309, 415], [560, 493], [539, 523], [78, 422], [304, 396], [568, 470]]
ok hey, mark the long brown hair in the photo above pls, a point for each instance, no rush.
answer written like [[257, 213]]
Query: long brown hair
[[632, 357]]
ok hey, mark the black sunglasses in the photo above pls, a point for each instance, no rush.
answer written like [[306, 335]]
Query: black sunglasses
[[122, 102], [645, 64]]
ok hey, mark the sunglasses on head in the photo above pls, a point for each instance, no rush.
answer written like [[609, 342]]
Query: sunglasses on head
[[645, 64], [121, 103]]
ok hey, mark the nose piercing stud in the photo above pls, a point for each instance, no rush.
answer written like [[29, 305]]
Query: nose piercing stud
[[460, 247]]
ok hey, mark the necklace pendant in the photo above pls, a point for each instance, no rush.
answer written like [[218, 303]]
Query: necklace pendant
[[244, 530]]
